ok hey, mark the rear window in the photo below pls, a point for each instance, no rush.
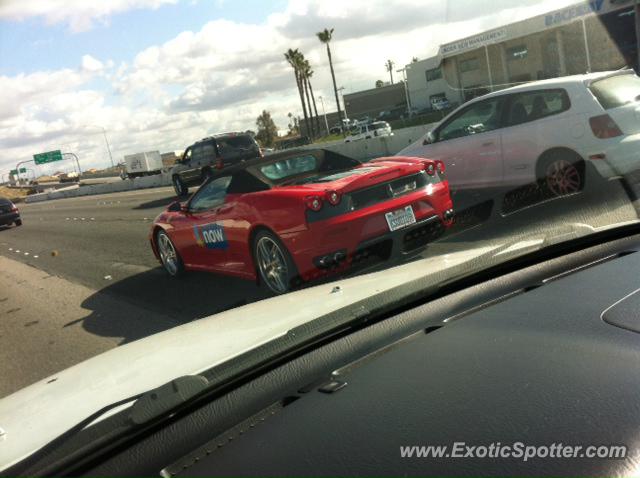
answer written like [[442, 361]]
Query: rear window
[[616, 91], [289, 167], [243, 143]]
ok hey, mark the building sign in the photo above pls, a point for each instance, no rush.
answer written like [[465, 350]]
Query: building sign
[[473, 42], [571, 13]]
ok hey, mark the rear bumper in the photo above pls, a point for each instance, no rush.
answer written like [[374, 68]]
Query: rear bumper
[[359, 237], [622, 156], [9, 218]]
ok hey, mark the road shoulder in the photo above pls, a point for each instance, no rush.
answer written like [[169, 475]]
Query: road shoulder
[[48, 324]]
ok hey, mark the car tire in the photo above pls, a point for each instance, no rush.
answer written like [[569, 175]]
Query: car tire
[[179, 187], [169, 256], [561, 173], [276, 270], [18, 222]]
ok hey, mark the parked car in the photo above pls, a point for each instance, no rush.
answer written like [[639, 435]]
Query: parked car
[[299, 215], [203, 158], [544, 130], [9, 213], [379, 128]]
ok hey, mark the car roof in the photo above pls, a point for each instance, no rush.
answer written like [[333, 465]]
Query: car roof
[[223, 136], [560, 82]]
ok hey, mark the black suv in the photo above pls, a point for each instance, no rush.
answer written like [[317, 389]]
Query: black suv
[[204, 157]]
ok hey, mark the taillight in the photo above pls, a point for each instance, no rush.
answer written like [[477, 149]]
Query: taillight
[[14, 208], [333, 197], [430, 169], [440, 167], [604, 127], [314, 203], [261, 153], [219, 163]]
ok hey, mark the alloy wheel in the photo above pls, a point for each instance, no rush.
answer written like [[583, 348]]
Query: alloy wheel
[[168, 254], [272, 264], [563, 178]]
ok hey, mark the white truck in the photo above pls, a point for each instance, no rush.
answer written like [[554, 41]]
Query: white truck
[[142, 164]]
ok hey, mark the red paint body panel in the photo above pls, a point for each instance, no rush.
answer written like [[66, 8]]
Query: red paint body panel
[[283, 211]]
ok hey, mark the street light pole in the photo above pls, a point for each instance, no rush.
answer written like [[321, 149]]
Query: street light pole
[[104, 133], [326, 123]]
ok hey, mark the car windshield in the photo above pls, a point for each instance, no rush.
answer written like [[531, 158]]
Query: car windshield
[[196, 179], [289, 167]]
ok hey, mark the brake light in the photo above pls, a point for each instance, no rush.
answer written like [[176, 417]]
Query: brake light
[[604, 127], [314, 203], [333, 197], [440, 167], [14, 208], [219, 163], [431, 169]]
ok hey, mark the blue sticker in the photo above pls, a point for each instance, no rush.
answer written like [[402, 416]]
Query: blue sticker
[[211, 236]]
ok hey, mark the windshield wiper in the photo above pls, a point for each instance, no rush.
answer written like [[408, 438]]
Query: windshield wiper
[[146, 408]]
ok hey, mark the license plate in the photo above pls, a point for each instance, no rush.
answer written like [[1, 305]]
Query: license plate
[[400, 218]]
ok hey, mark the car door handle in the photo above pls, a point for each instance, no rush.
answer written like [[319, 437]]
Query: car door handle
[[488, 143], [223, 209]]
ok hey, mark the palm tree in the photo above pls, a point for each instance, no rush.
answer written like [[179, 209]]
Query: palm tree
[[308, 73], [303, 67], [293, 58], [325, 37]]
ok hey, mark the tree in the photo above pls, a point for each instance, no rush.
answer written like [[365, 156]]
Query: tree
[[379, 83], [293, 58], [267, 129], [308, 73], [325, 37], [389, 65], [303, 66], [293, 124]]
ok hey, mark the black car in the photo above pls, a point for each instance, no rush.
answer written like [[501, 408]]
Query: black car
[[203, 158], [9, 213]]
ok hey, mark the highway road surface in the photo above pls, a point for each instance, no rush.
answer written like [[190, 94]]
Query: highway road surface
[[79, 276]]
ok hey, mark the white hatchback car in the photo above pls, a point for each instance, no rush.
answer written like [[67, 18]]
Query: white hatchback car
[[367, 131], [541, 130]]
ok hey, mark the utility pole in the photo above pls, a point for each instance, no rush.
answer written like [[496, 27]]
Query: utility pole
[[104, 133], [406, 90], [390, 64]]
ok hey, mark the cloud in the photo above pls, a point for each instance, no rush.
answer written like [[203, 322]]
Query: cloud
[[220, 76], [79, 15]]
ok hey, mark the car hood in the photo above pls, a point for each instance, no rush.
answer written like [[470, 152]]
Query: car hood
[[35, 415]]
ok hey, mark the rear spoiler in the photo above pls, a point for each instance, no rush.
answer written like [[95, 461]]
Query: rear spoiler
[[624, 71]]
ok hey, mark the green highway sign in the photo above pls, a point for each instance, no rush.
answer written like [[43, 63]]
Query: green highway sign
[[14, 172], [48, 157]]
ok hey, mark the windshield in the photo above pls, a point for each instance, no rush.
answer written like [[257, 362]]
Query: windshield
[[289, 167], [170, 164]]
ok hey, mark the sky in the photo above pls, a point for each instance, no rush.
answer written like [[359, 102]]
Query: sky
[[161, 74]]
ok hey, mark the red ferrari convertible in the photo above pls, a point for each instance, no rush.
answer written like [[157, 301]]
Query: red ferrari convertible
[[299, 215]]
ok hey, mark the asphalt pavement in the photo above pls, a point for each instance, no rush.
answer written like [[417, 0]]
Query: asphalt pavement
[[79, 276]]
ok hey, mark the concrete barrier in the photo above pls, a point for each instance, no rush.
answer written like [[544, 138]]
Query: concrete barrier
[[375, 147], [157, 180], [362, 150]]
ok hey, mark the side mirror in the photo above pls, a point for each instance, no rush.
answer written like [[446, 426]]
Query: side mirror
[[430, 138], [177, 206]]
